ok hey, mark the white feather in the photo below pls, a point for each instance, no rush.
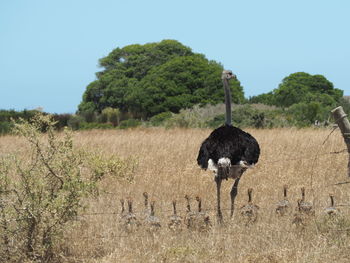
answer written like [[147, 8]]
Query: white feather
[[224, 162], [212, 166]]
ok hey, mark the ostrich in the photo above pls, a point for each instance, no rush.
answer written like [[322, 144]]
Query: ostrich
[[190, 216], [303, 206], [122, 215], [202, 219], [175, 220], [146, 211], [304, 211], [228, 151], [331, 210], [153, 221], [283, 205], [250, 210], [130, 220]]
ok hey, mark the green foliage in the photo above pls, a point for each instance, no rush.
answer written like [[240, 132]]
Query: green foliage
[[75, 122], [5, 127], [265, 98], [111, 115], [130, 123], [301, 87], [7, 115], [253, 115], [42, 189], [159, 119], [149, 79], [306, 113], [345, 103], [246, 115], [95, 125], [61, 120]]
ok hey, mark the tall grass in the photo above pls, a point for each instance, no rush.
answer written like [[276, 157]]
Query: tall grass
[[167, 170]]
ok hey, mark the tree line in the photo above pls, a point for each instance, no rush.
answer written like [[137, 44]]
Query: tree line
[[155, 83]]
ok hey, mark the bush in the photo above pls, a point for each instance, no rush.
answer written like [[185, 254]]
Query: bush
[[95, 125], [305, 114], [110, 115], [75, 122], [62, 120], [160, 118], [5, 127], [130, 123], [41, 192]]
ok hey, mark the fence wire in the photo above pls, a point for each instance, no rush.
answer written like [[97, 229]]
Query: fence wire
[[162, 210]]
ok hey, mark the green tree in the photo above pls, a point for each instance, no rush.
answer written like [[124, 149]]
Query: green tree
[[145, 80], [301, 87]]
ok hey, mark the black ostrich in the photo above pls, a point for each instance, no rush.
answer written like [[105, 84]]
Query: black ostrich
[[228, 151]]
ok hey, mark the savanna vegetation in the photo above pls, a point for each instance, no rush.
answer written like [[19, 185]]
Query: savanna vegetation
[[60, 193]]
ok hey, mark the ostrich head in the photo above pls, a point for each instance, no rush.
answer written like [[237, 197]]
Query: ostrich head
[[227, 74]]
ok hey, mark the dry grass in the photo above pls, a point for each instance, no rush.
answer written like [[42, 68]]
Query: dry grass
[[167, 170]]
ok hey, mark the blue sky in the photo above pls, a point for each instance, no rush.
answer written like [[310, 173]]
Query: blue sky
[[49, 50]]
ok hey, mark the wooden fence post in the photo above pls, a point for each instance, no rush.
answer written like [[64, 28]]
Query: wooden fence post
[[344, 125]]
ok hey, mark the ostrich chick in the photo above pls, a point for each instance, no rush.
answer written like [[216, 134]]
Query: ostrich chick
[[303, 206], [122, 214], [153, 221], [131, 222], [202, 219], [146, 212], [190, 216], [331, 210], [304, 211], [283, 205], [250, 210], [175, 220]]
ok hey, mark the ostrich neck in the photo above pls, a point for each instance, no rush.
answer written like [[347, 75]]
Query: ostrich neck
[[228, 120]]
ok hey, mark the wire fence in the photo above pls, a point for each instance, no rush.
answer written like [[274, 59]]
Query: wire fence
[[163, 210], [166, 212]]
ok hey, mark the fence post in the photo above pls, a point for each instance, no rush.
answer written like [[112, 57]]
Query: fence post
[[344, 125]]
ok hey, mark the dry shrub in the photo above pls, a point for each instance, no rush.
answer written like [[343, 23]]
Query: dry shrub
[[42, 190]]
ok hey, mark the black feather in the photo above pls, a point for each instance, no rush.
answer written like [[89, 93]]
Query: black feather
[[229, 142]]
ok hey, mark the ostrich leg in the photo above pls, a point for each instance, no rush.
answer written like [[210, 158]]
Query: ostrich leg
[[218, 186], [233, 194]]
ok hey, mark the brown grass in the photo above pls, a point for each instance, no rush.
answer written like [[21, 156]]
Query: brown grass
[[167, 170]]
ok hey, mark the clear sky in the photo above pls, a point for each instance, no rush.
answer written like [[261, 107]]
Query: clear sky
[[49, 49]]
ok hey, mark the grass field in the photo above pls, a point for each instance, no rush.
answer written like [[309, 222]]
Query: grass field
[[167, 170]]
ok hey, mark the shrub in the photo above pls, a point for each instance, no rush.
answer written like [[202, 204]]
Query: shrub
[[94, 125], [111, 115], [75, 122], [130, 123], [160, 118], [41, 192], [61, 120], [5, 127]]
